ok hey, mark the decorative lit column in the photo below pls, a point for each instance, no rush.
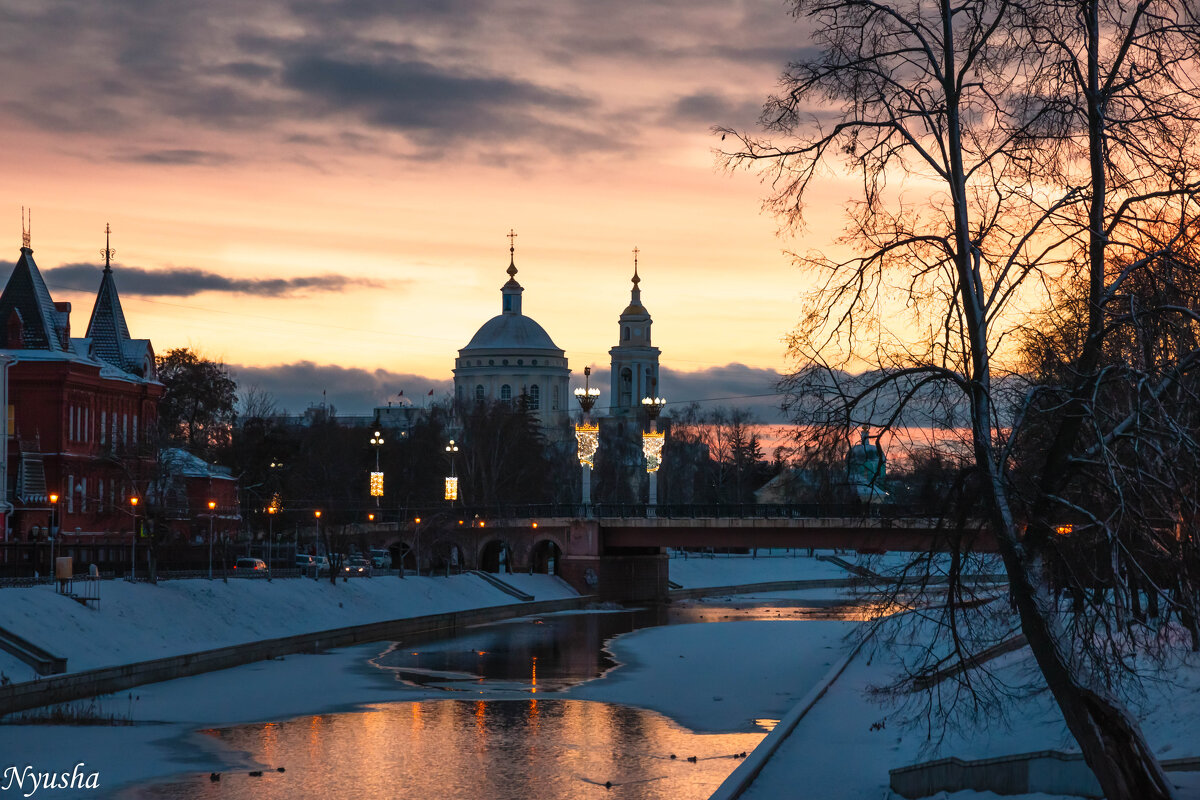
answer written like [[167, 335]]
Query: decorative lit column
[[451, 493], [377, 475], [587, 438], [652, 445]]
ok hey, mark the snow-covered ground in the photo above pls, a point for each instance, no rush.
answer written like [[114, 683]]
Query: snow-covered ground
[[836, 752], [141, 621], [696, 571]]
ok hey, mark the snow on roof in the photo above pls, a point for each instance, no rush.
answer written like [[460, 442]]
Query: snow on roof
[[180, 462]]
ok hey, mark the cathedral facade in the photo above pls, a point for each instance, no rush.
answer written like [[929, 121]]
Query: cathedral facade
[[512, 357]]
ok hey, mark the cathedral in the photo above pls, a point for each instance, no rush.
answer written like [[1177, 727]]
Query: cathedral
[[511, 356]]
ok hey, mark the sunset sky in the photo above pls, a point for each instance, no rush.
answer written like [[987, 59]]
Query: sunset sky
[[318, 192]]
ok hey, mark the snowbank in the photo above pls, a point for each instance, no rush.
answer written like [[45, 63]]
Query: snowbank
[[140, 621], [770, 565], [719, 676]]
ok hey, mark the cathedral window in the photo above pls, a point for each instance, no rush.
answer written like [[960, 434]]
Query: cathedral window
[[626, 387], [535, 397], [520, 362], [479, 395], [504, 362], [625, 333], [506, 393], [554, 398]]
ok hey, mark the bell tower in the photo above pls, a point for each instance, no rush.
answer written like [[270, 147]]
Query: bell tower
[[634, 359]]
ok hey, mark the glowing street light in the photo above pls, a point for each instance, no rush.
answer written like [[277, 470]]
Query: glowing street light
[[587, 437], [451, 492], [377, 475], [133, 504], [212, 507], [652, 446], [53, 532]]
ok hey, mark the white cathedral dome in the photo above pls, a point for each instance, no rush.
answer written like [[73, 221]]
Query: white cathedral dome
[[511, 332]]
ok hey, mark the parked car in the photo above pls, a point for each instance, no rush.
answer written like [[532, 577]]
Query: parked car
[[381, 559], [251, 564], [322, 563], [357, 566], [305, 562]]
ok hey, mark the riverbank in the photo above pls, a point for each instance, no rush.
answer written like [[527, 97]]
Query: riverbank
[[140, 621]]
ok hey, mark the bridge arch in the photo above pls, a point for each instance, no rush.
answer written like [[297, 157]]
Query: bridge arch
[[546, 557], [495, 556]]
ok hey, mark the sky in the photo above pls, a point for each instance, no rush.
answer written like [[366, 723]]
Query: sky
[[318, 193]]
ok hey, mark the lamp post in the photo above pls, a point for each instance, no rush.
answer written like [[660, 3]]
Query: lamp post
[[652, 445], [133, 503], [316, 541], [377, 475], [416, 551], [212, 507], [272, 510], [53, 532], [451, 492], [587, 438]]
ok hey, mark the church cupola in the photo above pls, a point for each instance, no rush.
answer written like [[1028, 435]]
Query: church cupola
[[511, 291]]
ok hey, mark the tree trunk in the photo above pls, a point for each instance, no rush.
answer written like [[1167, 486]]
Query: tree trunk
[[1108, 735]]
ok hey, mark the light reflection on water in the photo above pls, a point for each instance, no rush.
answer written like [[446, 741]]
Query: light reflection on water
[[494, 748], [533, 748]]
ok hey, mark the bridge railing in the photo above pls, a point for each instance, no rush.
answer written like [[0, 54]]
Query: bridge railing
[[490, 514]]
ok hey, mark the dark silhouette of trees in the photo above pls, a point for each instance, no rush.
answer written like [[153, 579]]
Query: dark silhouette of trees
[[197, 409], [1003, 147]]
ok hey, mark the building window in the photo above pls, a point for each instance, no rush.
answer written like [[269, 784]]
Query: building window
[[625, 334], [535, 397], [626, 387], [554, 398], [520, 362], [103, 427], [507, 302], [504, 362], [506, 393], [535, 362], [479, 395], [458, 394], [70, 495]]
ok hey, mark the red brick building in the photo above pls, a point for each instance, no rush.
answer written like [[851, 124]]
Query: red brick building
[[81, 415]]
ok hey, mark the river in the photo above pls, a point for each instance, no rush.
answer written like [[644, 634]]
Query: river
[[488, 714]]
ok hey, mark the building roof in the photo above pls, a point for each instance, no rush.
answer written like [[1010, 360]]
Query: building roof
[[179, 462], [107, 328], [511, 332], [42, 325]]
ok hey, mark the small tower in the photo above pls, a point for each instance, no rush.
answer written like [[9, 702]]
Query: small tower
[[511, 291], [634, 360]]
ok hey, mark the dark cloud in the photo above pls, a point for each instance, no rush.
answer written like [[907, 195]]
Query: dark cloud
[[419, 96], [185, 281], [350, 390], [182, 157], [708, 108], [356, 391]]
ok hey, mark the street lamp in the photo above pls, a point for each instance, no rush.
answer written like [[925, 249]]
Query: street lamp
[[652, 445], [587, 437], [451, 492], [272, 510], [416, 551], [212, 507], [133, 503], [53, 532], [316, 541], [377, 475]]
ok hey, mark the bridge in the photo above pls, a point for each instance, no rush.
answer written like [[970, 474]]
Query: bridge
[[619, 552]]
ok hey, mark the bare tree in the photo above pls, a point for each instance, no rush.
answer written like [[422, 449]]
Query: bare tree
[[1001, 146]]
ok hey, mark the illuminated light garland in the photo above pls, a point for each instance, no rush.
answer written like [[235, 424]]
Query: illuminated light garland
[[652, 445], [452, 489], [588, 439], [376, 484]]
